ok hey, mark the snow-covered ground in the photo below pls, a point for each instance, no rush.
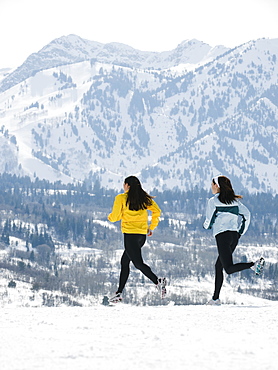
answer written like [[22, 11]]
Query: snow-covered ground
[[242, 334], [238, 337]]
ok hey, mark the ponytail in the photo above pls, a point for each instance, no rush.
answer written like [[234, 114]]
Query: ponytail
[[137, 198], [226, 191]]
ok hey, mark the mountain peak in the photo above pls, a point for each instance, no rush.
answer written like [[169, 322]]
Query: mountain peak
[[72, 48], [190, 42]]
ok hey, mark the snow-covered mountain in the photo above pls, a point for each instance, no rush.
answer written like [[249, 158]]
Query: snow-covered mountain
[[79, 110], [73, 49], [4, 72]]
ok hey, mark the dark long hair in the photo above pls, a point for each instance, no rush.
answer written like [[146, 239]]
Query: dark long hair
[[137, 198], [226, 193]]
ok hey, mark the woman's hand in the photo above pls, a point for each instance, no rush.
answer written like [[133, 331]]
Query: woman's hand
[[150, 232]]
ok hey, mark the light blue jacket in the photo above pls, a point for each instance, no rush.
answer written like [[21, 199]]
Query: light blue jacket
[[222, 217]]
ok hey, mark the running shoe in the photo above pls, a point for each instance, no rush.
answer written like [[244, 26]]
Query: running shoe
[[161, 286], [259, 265], [116, 298]]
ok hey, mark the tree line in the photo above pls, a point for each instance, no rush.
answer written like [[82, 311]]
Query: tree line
[[46, 215], [68, 211]]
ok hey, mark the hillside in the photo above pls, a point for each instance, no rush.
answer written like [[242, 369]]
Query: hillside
[[79, 110]]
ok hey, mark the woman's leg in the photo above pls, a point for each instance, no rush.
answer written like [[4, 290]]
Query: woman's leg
[[218, 279], [226, 244], [124, 274], [133, 244]]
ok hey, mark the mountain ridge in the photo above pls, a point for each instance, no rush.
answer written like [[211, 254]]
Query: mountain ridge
[[73, 49], [173, 127]]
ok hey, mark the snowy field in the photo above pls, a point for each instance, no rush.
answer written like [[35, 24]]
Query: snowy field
[[238, 337]]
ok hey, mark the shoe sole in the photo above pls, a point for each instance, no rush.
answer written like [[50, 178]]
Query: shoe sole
[[116, 301]]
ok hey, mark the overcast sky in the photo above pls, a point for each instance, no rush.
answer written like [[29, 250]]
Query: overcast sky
[[26, 26]]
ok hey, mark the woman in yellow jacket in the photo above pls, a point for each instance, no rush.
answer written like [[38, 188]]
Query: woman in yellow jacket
[[132, 208]]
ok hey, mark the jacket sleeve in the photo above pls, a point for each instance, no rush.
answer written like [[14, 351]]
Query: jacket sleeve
[[116, 214], [210, 214], [156, 211], [245, 218]]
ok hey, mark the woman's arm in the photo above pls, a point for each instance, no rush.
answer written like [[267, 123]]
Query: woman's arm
[[156, 212], [210, 214], [245, 215], [116, 214]]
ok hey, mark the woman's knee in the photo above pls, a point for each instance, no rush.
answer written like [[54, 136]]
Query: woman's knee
[[228, 269], [218, 265], [125, 261], [138, 265]]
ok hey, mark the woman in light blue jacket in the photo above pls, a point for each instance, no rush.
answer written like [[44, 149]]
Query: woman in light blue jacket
[[222, 216]]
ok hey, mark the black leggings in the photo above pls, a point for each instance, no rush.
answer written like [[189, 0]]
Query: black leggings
[[226, 244], [133, 244]]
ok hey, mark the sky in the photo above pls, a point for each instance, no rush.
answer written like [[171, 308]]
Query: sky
[[26, 26]]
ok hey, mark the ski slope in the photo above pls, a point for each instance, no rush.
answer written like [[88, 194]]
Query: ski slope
[[123, 337]]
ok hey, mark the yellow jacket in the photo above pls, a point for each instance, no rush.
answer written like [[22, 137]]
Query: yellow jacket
[[133, 222]]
